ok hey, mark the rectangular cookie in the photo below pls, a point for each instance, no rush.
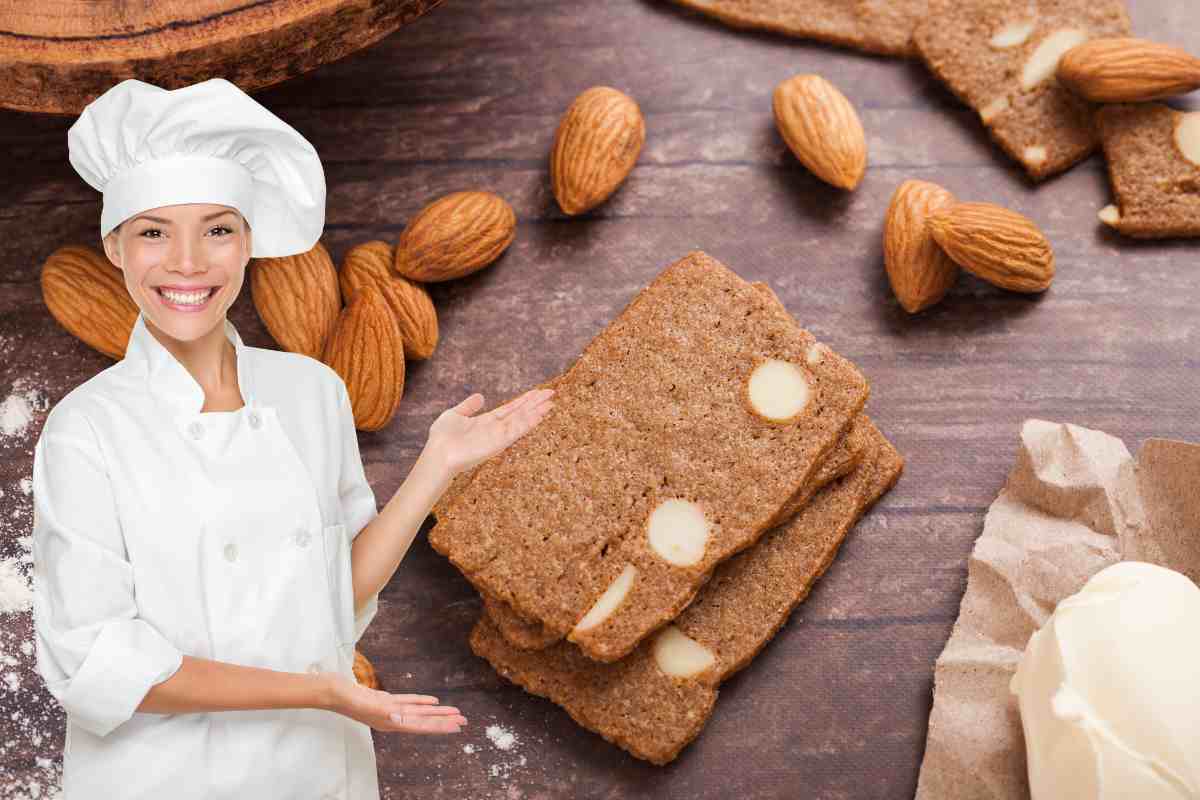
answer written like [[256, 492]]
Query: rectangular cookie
[[876, 26], [656, 412], [533, 635], [855, 442], [1157, 186], [656, 700], [999, 57], [849, 453]]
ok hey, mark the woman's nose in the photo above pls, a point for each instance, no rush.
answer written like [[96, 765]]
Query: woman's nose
[[183, 255]]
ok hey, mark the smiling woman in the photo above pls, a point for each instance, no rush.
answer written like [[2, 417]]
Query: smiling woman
[[190, 562]]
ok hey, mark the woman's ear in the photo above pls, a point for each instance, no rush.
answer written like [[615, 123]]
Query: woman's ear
[[249, 241], [111, 248]]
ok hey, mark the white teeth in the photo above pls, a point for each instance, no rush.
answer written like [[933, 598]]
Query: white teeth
[[187, 298]]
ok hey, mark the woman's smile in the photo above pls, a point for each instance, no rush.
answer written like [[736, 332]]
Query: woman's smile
[[186, 300]]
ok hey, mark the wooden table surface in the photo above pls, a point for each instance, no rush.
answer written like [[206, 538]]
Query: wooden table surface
[[469, 97]]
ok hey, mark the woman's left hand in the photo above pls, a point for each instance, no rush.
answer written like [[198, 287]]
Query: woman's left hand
[[464, 440]]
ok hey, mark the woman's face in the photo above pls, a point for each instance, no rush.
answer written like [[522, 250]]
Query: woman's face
[[195, 251]]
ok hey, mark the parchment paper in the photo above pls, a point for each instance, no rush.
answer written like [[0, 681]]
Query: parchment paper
[[1075, 502]]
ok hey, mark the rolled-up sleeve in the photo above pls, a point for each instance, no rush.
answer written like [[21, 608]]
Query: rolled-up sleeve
[[355, 495], [97, 657]]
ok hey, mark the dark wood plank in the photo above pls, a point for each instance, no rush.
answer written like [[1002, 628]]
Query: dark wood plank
[[468, 97]]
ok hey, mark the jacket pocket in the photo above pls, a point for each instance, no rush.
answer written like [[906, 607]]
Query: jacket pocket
[[341, 584]]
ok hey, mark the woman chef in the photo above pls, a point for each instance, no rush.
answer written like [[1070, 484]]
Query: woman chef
[[205, 539]]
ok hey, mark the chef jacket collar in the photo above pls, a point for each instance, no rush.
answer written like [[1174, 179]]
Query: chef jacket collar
[[169, 381]]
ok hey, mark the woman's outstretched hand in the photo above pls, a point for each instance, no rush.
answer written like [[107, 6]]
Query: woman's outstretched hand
[[383, 711], [464, 440]]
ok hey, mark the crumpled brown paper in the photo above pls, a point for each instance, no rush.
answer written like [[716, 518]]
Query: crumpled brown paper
[[1075, 502]]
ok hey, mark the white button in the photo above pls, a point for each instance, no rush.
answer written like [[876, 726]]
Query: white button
[[255, 420], [314, 668], [231, 552], [196, 429], [302, 538]]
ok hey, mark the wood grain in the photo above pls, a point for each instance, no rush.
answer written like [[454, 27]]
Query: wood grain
[[59, 55], [468, 98]]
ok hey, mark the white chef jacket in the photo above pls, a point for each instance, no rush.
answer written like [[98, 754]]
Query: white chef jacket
[[161, 530]]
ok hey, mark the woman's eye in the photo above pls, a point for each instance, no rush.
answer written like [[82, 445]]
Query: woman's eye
[[222, 228], [150, 230]]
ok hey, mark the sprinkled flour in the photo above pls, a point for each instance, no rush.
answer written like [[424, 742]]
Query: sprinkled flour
[[16, 595], [16, 410], [32, 723], [505, 741]]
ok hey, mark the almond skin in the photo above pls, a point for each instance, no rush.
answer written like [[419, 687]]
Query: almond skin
[[371, 263], [1127, 70], [822, 129], [366, 350], [919, 270], [454, 236], [991, 242], [598, 141], [297, 298], [86, 293]]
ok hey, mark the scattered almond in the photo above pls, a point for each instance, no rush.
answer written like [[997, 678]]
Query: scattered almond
[[364, 672], [371, 263], [455, 236], [366, 350], [297, 298], [86, 293], [919, 270], [1128, 70], [993, 243], [598, 141], [821, 129]]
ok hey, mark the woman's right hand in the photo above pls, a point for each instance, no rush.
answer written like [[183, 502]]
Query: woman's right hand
[[384, 711]]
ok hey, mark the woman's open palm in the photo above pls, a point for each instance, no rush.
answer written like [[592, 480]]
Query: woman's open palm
[[405, 713], [467, 440]]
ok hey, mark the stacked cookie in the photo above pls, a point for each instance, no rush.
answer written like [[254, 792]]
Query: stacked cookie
[[704, 460]]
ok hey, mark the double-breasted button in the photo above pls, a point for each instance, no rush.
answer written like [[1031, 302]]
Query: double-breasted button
[[196, 429], [302, 538], [231, 552], [255, 420]]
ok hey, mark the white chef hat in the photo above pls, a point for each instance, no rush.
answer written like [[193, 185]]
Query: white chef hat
[[144, 147]]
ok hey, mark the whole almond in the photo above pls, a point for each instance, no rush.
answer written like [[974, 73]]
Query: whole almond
[[919, 270], [366, 350], [821, 129], [371, 263], [454, 236], [598, 140], [1127, 70], [991, 242], [87, 295], [364, 672], [297, 298]]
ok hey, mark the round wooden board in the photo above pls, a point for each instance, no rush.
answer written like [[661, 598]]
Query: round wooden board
[[59, 55]]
